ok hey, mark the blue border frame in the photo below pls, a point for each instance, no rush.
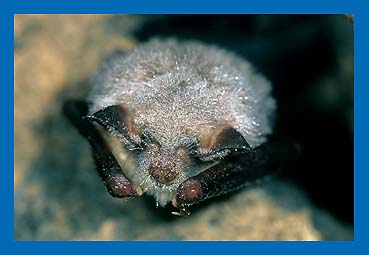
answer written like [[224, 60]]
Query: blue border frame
[[8, 8]]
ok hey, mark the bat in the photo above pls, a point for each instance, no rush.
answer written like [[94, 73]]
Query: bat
[[180, 121]]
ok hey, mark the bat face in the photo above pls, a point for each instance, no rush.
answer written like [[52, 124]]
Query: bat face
[[158, 162], [181, 121]]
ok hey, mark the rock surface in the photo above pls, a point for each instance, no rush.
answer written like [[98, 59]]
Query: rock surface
[[58, 194]]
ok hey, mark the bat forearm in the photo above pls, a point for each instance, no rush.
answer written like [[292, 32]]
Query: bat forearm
[[111, 173], [233, 173]]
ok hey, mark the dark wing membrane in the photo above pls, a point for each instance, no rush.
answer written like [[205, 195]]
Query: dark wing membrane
[[117, 184], [235, 172]]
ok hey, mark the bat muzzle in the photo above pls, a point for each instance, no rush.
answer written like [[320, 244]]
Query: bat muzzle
[[163, 170]]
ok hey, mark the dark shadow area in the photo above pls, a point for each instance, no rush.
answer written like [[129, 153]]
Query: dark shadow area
[[296, 52]]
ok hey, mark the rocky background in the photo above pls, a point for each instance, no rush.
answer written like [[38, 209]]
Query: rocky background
[[58, 194]]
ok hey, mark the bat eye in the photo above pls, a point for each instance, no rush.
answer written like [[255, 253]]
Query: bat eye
[[148, 141], [154, 147], [222, 142]]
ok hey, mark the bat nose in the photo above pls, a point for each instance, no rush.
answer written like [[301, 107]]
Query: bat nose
[[163, 170]]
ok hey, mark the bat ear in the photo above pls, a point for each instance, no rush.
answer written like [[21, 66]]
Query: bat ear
[[223, 141], [230, 138], [117, 119]]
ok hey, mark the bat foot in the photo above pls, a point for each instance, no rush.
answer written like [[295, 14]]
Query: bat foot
[[183, 208], [182, 213]]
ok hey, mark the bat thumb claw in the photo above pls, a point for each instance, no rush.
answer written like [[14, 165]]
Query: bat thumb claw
[[139, 191]]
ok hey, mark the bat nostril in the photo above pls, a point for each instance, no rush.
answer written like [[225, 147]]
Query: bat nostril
[[163, 170]]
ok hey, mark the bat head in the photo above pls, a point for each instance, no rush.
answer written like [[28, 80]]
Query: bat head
[[156, 162]]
